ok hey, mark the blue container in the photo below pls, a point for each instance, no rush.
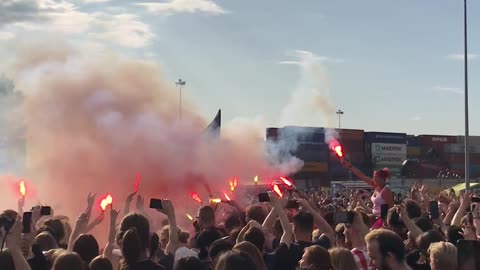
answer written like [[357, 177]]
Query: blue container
[[302, 134], [385, 137], [309, 152], [413, 141]]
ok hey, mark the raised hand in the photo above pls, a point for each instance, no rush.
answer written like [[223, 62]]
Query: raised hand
[[14, 236], [81, 224], [91, 199], [140, 203], [468, 233]]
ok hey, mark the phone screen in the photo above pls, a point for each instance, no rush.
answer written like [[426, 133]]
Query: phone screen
[[27, 222], [263, 197], [292, 204], [46, 211], [384, 211], [341, 217], [434, 213], [156, 204]]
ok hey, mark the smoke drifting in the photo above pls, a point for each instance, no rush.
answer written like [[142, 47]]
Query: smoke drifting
[[94, 123]]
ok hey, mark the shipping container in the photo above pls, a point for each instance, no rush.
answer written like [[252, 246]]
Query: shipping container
[[413, 141], [471, 139], [353, 146], [310, 152], [302, 134], [350, 134], [384, 137], [460, 158], [413, 151], [389, 149], [388, 160], [436, 139], [474, 169], [460, 148], [354, 157], [315, 167]]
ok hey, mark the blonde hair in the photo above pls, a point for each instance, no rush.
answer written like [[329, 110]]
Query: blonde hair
[[443, 255], [342, 259]]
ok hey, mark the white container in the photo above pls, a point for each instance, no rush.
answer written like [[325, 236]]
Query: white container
[[388, 160], [389, 149]]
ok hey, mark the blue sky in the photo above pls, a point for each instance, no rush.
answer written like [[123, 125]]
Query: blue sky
[[391, 65]]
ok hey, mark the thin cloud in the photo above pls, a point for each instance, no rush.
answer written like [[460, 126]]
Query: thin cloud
[[453, 90], [184, 6], [6, 35], [461, 57], [301, 55], [95, 1], [416, 118]]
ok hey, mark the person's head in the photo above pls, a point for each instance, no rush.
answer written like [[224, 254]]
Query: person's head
[[413, 209], [164, 235], [219, 247], [257, 213], [315, 258], [45, 241], [69, 261], [303, 224], [443, 256], [342, 259], [154, 244], [381, 176], [423, 223], [395, 223], [206, 217], [134, 237], [183, 237], [86, 246], [340, 235], [55, 227], [356, 231], [234, 260], [232, 222], [190, 263], [385, 248], [205, 240], [255, 236], [252, 251], [6, 260], [427, 238], [100, 263], [454, 234]]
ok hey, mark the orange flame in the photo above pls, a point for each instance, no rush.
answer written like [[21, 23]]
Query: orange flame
[[196, 197], [286, 181], [227, 197], [336, 147], [106, 202], [216, 200], [255, 179], [22, 188], [137, 183], [277, 190], [189, 217]]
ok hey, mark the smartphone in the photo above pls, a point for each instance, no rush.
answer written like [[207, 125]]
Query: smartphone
[[46, 211], [344, 217], [6, 223], [475, 199], [27, 222], [196, 226], [156, 204], [292, 204], [384, 211], [434, 213], [263, 197]]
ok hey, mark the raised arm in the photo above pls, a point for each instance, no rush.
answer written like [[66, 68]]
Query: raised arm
[[128, 202], [466, 201], [287, 227], [358, 173], [172, 244], [112, 230], [321, 223], [13, 242], [414, 230]]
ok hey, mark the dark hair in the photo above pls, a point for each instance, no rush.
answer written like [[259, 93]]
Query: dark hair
[[424, 224], [320, 258], [45, 241], [219, 247], [330, 218], [234, 260], [206, 214], [413, 209], [255, 236], [189, 263], [388, 242], [100, 263], [428, 238], [303, 221], [257, 213], [6, 260], [68, 261], [154, 242], [204, 240], [454, 234], [383, 173], [232, 222], [183, 237], [56, 228], [134, 234], [87, 247]]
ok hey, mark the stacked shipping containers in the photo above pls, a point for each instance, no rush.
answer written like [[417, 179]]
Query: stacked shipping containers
[[454, 154], [353, 143], [386, 150], [413, 147]]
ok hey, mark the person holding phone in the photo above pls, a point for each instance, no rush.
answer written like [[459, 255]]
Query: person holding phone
[[382, 193]]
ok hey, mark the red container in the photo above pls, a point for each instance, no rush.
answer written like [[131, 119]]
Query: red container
[[436, 142], [350, 134], [353, 146], [460, 158]]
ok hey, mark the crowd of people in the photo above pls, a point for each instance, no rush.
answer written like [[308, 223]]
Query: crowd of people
[[314, 230]]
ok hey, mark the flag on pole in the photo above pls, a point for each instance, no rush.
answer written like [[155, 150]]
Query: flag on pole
[[214, 127]]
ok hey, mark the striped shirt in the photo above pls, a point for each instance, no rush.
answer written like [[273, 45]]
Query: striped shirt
[[362, 259]]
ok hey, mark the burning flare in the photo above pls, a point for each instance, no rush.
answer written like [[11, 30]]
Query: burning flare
[[287, 182], [189, 217], [136, 185], [255, 179], [216, 200], [336, 148], [106, 202], [227, 197], [22, 188], [196, 197], [277, 190]]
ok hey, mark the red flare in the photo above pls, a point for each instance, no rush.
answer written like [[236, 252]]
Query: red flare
[[22, 189], [336, 148], [137, 183], [196, 197], [227, 197], [287, 182], [235, 181], [108, 200], [277, 190]]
